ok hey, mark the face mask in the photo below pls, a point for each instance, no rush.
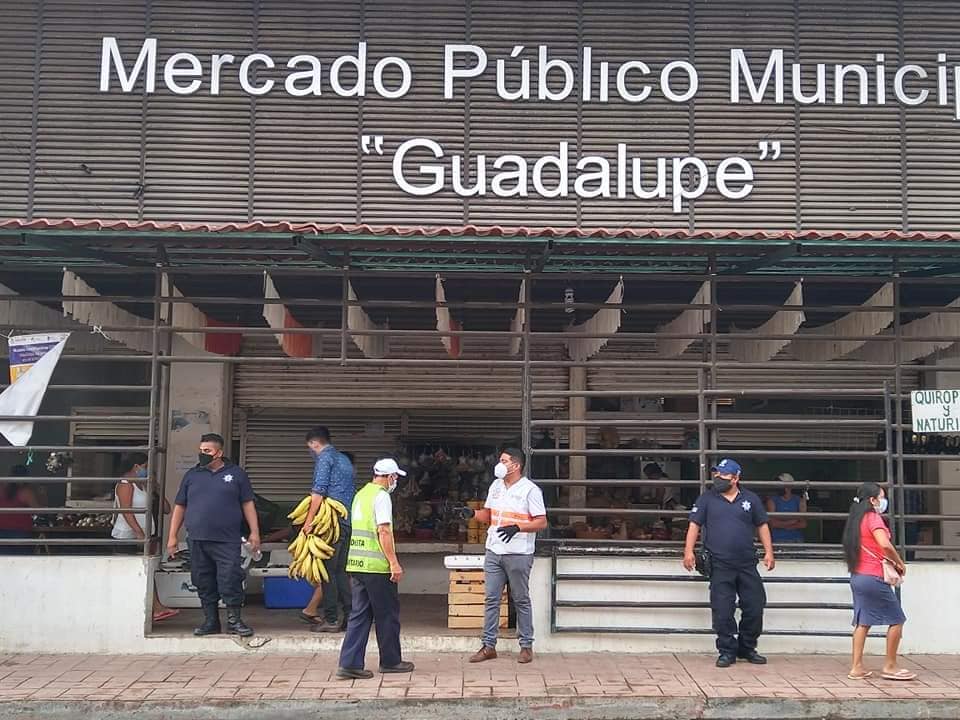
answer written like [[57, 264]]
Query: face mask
[[393, 484], [882, 507], [142, 472], [204, 459], [721, 485], [500, 471]]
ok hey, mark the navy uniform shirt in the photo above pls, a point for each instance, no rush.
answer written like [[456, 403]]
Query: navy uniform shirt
[[213, 501], [730, 527]]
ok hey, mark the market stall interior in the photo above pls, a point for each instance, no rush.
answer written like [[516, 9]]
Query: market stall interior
[[623, 373]]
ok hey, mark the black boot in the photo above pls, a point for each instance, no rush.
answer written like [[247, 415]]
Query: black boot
[[236, 625], [211, 620]]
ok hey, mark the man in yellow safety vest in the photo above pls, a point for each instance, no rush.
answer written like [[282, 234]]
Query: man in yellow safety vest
[[374, 572]]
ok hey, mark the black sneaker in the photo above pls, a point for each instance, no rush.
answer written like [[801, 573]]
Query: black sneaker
[[353, 674], [401, 667], [753, 657], [725, 661]]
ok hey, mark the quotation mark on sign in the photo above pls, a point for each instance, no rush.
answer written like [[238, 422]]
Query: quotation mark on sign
[[377, 141], [769, 150]]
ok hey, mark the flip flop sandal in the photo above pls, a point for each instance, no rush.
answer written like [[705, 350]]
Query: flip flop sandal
[[310, 619], [165, 615], [900, 676], [865, 676]]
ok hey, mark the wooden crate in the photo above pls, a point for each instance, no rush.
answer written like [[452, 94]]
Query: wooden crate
[[465, 604]]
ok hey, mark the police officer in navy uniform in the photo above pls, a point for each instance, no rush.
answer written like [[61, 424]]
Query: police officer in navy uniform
[[730, 517], [215, 498]]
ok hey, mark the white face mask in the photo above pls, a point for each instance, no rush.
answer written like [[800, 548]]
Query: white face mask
[[500, 471], [393, 484]]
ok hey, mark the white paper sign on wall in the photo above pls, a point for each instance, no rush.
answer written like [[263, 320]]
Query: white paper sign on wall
[[935, 411]]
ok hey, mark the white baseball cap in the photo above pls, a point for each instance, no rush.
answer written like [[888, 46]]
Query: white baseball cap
[[785, 478], [388, 466]]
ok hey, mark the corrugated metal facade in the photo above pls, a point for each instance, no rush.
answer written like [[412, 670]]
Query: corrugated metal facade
[[68, 150]]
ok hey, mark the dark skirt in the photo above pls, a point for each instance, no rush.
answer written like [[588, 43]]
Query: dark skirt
[[875, 602]]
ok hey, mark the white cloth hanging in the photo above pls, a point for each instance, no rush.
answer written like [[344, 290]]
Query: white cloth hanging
[[184, 315], [519, 318], [938, 324], [104, 314], [605, 321], [862, 324], [372, 346], [783, 322], [279, 317], [689, 322], [24, 315], [446, 322]]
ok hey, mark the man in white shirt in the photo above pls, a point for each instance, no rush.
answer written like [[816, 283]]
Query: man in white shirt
[[516, 512]]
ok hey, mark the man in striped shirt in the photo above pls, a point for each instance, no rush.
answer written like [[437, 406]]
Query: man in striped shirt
[[516, 512]]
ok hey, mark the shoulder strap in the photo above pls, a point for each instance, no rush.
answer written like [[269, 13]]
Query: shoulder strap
[[871, 553]]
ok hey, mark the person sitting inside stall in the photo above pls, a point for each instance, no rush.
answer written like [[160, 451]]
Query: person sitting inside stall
[[17, 526], [787, 530]]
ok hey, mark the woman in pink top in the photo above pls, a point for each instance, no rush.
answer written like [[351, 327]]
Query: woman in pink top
[[866, 543]]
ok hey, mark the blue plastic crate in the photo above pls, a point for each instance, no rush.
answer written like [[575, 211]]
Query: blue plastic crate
[[281, 592]]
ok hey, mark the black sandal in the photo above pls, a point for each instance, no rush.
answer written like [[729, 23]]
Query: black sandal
[[309, 619]]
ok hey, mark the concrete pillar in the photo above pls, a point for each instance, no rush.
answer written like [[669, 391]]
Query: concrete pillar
[[199, 403], [578, 441]]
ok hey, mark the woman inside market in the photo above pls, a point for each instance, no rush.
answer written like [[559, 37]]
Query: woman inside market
[[17, 526], [129, 493], [875, 566]]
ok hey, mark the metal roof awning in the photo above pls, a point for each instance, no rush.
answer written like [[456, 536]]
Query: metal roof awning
[[105, 243]]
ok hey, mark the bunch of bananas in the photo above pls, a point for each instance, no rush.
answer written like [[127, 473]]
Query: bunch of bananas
[[312, 548]]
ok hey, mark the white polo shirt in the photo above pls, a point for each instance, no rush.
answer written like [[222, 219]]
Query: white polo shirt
[[522, 501]]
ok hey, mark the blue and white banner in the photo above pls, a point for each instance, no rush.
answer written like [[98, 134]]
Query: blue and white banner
[[33, 358]]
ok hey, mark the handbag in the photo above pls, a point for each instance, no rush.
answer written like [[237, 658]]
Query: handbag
[[890, 575]]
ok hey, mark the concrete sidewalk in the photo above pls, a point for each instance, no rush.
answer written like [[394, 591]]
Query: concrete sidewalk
[[570, 686]]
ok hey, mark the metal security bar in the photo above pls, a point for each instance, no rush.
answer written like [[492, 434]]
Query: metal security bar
[[709, 382]]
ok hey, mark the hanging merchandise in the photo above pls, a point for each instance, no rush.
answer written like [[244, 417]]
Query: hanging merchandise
[[33, 359], [784, 322], [862, 324], [519, 319], [690, 322], [279, 317], [372, 346], [605, 321], [938, 324], [446, 323]]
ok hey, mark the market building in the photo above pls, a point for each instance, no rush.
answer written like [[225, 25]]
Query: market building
[[631, 238]]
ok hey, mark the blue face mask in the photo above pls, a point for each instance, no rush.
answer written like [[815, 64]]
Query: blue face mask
[[142, 472], [882, 507]]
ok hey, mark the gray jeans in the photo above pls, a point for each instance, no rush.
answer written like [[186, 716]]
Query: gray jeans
[[499, 570]]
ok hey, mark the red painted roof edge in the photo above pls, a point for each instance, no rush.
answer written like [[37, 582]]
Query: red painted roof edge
[[454, 231]]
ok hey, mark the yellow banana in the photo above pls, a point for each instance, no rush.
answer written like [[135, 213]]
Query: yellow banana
[[303, 551], [336, 533], [300, 512], [337, 506], [321, 570]]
